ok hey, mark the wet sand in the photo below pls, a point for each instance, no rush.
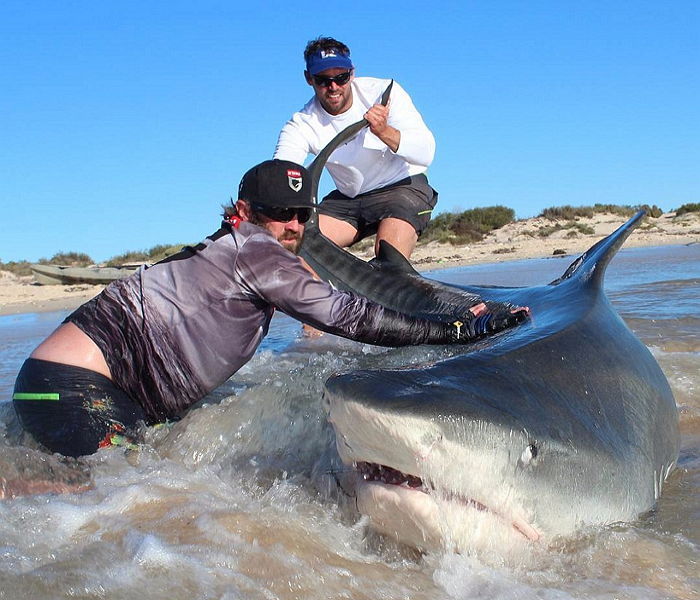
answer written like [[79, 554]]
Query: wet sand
[[515, 241]]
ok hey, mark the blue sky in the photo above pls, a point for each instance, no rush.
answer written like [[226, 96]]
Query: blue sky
[[127, 124]]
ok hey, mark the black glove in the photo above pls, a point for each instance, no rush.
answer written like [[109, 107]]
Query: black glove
[[398, 329]]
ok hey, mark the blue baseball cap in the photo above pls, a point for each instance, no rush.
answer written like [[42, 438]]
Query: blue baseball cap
[[328, 59]]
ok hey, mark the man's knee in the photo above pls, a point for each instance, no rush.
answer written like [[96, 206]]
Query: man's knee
[[339, 232], [399, 233]]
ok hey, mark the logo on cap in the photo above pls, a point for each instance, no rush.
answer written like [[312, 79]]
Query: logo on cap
[[328, 53], [294, 178]]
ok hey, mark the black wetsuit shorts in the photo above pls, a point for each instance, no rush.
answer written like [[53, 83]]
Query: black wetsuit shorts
[[73, 411], [411, 200]]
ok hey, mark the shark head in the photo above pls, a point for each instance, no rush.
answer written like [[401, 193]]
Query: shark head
[[465, 451], [562, 423]]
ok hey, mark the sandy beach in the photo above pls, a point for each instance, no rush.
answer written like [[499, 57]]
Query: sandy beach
[[515, 241]]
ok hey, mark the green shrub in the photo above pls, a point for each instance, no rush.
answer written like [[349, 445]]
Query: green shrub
[[131, 256], [615, 209], [68, 259], [652, 211], [151, 256], [18, 268], [468, 226], [549, 230], [568, 213], [574, 226], [687, 208], [581, 228], [556, 213]]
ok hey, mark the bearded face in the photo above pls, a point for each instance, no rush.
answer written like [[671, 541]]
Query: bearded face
[[289, 234]]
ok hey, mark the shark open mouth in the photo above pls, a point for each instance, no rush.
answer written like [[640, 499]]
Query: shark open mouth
[[373, 472], [384, 474]]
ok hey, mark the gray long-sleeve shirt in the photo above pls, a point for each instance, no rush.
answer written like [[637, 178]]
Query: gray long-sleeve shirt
[[174, 331]]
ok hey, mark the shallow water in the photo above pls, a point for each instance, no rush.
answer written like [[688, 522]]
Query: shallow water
[[231, 501]]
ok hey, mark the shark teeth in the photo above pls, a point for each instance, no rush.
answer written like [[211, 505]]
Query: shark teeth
[[384, 474]]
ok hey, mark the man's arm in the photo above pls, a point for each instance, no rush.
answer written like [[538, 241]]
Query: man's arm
[[292, 145], [279, 277], [401, 127]]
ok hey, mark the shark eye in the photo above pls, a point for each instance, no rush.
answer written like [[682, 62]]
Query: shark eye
[[528, 455]]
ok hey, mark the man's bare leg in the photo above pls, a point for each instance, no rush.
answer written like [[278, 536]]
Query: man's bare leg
[[341, 233], [400, 234]]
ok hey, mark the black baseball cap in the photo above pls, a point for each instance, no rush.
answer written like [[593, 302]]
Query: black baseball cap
[[277, 183]]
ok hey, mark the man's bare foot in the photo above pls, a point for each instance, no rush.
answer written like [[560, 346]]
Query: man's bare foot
[[311, 332], [25, 471], [12, 488]]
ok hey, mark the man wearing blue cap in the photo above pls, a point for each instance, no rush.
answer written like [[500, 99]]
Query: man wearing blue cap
[[380, 174]]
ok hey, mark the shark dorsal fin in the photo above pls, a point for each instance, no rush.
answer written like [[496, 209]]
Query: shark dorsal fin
[[591, 265], [390, 257]]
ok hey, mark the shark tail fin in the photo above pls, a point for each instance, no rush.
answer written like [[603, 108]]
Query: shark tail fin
[[591, 265]]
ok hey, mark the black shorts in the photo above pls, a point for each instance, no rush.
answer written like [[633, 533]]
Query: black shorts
[[73, 411], [411, 199]]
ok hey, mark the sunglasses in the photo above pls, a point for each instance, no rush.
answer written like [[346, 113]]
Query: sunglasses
[[284, 214], [325, 81]]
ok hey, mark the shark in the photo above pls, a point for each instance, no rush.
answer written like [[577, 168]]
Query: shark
[[541, 431]]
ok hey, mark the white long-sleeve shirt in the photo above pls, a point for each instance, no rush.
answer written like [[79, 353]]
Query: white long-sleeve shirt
[[365, 163]]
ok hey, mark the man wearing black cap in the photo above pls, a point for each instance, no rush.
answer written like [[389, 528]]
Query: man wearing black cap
[[380, 174], [151, 345]]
